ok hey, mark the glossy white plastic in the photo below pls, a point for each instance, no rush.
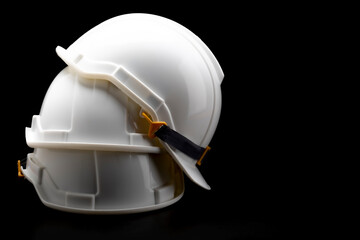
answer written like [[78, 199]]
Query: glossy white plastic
[[92, 153]]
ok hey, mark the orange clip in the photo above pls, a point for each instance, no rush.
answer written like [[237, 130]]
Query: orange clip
[[19, 169], [203, 155], [154, 126]]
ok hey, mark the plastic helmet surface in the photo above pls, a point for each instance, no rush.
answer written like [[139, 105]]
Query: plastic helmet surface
[[92, 149]]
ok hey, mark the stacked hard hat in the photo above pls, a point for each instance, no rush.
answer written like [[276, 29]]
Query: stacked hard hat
[[93, 152]]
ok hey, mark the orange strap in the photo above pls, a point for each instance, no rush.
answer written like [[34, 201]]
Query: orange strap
[[19, 169]]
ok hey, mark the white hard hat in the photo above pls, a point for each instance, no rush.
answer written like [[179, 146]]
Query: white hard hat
[[92, 151]]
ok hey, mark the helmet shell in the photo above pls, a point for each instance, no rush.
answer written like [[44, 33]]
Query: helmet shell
[[92, 153]]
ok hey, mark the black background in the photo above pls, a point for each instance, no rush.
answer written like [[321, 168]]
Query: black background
[[252, 156]]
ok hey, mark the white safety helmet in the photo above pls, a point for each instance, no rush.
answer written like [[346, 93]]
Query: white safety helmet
[[93, 151]]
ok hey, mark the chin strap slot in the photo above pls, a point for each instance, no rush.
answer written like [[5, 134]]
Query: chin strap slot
[[176, 140], [154, 126]]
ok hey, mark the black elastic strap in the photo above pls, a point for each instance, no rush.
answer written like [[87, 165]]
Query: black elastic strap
[[180, 142]]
